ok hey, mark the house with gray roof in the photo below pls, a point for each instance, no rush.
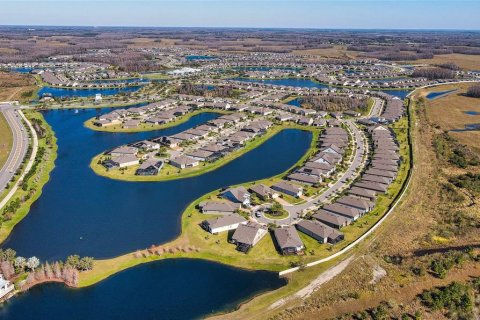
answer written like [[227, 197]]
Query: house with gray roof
[[320, 232], [183, 162], [149, 167], [223, 223], [355, 202], [288, 240], [331, 219], [288, 188], [346, 211], [248, 235], [237, 195], [264, 192], [218, 207]]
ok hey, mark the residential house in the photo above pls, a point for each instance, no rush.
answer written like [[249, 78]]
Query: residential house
[[320, 232], [263, 192], [248, 235], [288, 240], [217, 207], [223, 223], [237, 195], [288, 188]]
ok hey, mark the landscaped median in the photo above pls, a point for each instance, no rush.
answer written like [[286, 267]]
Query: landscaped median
[[169, 172], [151, 127], [39, 174]]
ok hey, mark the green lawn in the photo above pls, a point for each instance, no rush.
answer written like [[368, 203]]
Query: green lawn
[[5, 140], [40, 176]]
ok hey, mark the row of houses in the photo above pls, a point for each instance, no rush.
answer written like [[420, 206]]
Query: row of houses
[[323, 164], [360, 198], [219, 148]]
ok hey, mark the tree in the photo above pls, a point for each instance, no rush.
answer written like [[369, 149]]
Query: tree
[[33, 263], [19, 262], [8, 254]]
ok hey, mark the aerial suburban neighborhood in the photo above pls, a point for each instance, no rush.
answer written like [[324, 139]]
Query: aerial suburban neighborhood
[[193, 171]]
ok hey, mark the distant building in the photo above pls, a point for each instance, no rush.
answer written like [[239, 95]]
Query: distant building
[[5, 287]]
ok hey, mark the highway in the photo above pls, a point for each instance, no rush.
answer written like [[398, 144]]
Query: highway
[[19, 145]]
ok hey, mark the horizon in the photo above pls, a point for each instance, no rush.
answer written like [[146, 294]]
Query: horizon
[[264, 14], [231, 28]]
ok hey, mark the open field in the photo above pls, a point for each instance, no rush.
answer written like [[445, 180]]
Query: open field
[[5, 140], [15, 86], [448, 112], [464, 61]]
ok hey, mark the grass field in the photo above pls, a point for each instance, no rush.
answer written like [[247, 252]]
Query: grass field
[[448, 112], [464, 61], [5, 140], [14, 86]]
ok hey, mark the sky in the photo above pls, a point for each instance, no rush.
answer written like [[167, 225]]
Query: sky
[[330, 14]]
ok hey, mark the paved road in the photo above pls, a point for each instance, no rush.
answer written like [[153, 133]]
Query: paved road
[[377, 108], [19, 146], [296, 211]]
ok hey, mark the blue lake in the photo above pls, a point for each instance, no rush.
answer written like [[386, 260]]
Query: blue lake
[[434, 95], [82, 213], [297, 102], [22, 70], [169, 289], [472, 113], [70, 93]]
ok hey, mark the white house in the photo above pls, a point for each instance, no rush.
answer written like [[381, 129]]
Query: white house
[[5, 287]]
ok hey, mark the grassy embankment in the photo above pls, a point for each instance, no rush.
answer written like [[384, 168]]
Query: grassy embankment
[[151, 127], [34, 184], [196, 243], [6, 140], [170, 172]]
